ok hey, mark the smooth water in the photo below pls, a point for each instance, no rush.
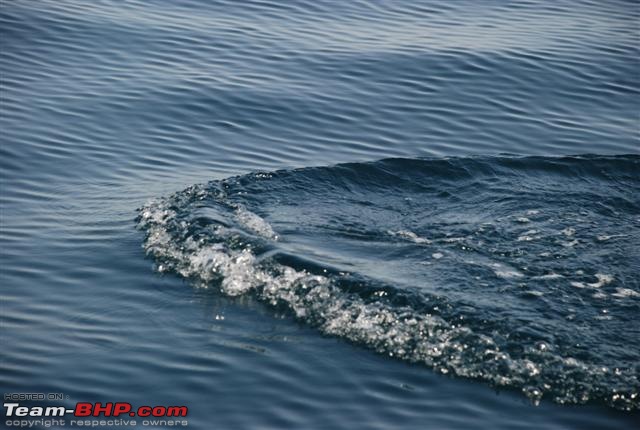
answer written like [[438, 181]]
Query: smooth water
[[355, 253]]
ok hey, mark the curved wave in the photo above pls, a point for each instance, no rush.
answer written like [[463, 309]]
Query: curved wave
[[517, 271]]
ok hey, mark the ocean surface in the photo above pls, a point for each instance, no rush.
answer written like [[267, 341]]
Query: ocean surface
[[324, 214]]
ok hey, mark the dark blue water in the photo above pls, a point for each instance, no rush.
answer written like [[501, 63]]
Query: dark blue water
[[405, 214]]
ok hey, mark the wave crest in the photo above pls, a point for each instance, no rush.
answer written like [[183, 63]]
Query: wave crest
[[208, 233]]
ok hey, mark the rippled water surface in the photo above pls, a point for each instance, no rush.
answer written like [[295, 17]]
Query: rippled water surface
[[349, 214]]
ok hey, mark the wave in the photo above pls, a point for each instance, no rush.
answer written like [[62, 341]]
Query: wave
[[517, 271]]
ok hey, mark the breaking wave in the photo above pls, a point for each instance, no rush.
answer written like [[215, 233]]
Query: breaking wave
[[520, 272]]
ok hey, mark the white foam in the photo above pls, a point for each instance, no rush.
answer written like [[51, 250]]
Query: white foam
[[255, 223], [625, 293], [453, 239], [551, 275], [528, 236], [570, 244], [602, 279], [406, 234], [605, 237], [505, 272]]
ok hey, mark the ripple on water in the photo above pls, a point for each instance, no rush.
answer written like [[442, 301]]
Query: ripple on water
[[107, 104]]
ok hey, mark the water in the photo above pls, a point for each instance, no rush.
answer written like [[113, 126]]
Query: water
[[445, 284], [441, 262]]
